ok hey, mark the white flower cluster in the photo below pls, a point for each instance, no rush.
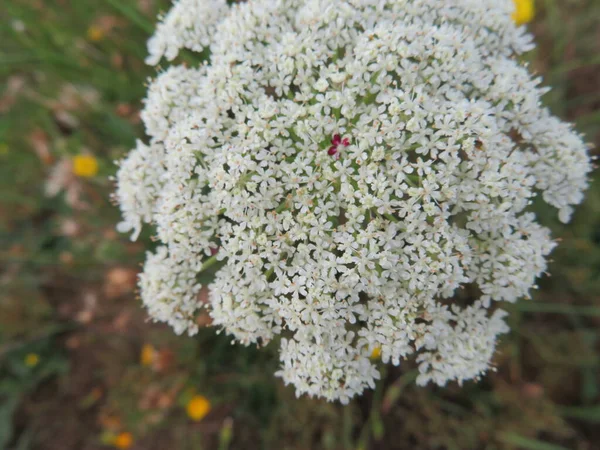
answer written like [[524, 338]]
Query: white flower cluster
[[349, 165]]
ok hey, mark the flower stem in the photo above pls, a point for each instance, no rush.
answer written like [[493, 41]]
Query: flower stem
[[209, 263]]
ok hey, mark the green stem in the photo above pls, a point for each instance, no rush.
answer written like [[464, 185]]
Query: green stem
[[282, 207], [269, 273], [209, 263], [391, 218]]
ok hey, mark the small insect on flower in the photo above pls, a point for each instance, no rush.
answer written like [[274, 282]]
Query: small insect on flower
[[123, 440], [85, 166], [524, 11], [198, 407], [32, 359]]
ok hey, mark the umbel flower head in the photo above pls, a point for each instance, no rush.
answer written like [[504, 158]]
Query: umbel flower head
[[347, 167]]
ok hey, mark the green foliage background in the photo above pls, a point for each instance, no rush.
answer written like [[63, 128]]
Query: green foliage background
[[71, 82]]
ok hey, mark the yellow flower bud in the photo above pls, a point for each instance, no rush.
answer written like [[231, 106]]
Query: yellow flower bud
[[147, 355], [85, 166], [95, 33], [198, 407], [524, 11], [376, 354], [32, 359], [123, 440]]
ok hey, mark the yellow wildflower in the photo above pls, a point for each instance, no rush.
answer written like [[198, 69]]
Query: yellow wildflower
[[95, 33], [198, 407], [32, 359], [524, 11], [123, 440], [147, 355], [85, 166], [376, 354], [3, 149]]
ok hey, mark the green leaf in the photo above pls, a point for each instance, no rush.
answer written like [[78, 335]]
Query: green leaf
[[7, 408], [528, 444], [586, 413], [557, 308], [133, 15], [395, 390], [377, 427], [226, 434]]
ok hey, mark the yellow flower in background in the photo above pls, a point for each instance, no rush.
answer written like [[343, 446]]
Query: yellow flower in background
[[147, 355], [85, 166], [123, 440], [32, 359], [95, 33], [3, 149], [376, 354], [524, 11], [198, 407]]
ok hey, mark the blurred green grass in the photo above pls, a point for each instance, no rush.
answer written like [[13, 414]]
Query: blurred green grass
[[71, 82]]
